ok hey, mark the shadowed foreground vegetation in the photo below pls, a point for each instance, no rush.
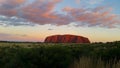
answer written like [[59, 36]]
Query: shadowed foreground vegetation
[[48, 55]]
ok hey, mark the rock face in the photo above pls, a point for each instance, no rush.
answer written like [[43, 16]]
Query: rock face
[[66, 39]]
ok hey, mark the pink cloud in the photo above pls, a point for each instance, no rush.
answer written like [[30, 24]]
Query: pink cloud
[[42, 12], [100, 16]]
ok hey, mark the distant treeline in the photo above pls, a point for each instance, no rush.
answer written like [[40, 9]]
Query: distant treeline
[[43, 42], [19, 42]]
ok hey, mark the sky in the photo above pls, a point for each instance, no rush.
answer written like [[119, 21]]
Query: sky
[[33, 20]]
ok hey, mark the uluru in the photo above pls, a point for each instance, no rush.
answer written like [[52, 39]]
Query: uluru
[[66, 39]]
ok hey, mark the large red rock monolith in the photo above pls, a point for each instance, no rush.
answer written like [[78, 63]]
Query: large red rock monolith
[[66, 39]]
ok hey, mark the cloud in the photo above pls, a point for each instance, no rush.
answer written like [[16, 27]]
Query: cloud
[[39, 12], [14, 21], [90, 2], [77, 1], [99, 16], [10, 35], [50, 29], [24, 12], [4, 34], [18, 37]]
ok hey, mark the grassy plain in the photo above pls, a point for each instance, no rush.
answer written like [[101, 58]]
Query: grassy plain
[[59, 55]]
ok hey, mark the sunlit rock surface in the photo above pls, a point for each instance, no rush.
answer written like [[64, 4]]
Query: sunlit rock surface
[[66, 39]]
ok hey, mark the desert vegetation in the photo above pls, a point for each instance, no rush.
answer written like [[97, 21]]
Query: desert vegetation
[[59, 55]]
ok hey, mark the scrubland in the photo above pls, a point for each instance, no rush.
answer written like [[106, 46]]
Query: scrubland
[[59, 55]]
